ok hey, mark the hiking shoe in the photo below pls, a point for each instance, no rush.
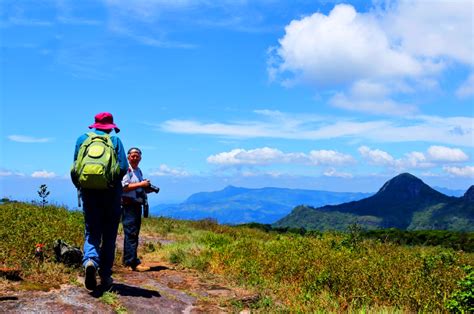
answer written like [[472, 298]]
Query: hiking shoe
[[106, 282], [138, 268], [90, 282], [141, 268]]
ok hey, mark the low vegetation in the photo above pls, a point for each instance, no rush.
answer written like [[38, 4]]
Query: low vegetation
[[26, 225], [321, 271], [292, 272]]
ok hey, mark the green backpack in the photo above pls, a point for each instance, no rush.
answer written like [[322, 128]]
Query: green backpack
[[96, 166]]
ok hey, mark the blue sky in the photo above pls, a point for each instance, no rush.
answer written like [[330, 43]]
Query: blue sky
[[332, 95]]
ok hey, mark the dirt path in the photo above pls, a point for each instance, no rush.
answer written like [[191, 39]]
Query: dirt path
[[163, 289]]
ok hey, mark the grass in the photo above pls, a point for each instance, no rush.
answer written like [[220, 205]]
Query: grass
[[23, 226], [112, 299], [327, 272]]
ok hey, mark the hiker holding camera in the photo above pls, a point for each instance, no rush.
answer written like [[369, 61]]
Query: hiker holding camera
[[135, 190]]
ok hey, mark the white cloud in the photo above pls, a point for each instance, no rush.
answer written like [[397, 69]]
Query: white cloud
[[43, 174], [371, 105], [147, 40], [442, 153], [149, 10], [406, 44], [331, 172], [341, 47], [432, 129], [415, 160], [259, 156], [433, 29], [267, 156], [377, 156], [28, 139], [7, 173], [329, 157], [434, 157], [467, 88], [231, 130], [165, 170], [256, 173], [467, 171]]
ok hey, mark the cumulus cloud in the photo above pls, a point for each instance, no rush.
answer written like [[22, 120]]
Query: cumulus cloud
[[28, 139], [467, 171], [406, 44], [442, 153], [434, 156], [267, 156], [341, 47], [415, 160], [165, 170], [376, 156], [43, 174], [258, 156]]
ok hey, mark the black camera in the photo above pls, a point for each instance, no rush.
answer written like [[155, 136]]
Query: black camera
[[152, 188]]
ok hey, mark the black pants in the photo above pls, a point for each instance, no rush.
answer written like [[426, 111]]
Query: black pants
[[131, 221]]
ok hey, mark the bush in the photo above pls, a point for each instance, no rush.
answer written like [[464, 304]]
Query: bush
[[462, 300]]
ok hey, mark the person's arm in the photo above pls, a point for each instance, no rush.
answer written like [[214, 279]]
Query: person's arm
[[133, 186], [121, 156]]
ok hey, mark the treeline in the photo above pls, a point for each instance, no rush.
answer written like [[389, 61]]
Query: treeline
[[449, 239]]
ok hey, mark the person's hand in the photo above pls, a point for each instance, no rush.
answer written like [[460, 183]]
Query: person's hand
[[146, 183]]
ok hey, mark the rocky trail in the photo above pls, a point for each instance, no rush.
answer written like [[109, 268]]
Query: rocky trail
[[162, 289]]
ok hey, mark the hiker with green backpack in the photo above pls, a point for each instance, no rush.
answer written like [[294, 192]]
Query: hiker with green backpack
[[99, 165]]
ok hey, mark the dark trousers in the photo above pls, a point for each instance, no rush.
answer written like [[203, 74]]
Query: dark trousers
[[101, 210], [131, 221]]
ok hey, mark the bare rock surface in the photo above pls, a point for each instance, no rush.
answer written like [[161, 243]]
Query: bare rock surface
[[67, 299], [162, 289]]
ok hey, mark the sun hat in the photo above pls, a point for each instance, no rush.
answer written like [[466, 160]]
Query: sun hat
[[104, 121]]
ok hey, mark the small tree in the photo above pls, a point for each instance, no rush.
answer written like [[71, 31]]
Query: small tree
[[43, 193]]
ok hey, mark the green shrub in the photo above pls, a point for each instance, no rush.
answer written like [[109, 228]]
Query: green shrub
[[462, 299]]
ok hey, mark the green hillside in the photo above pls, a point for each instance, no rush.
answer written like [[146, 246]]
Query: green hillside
[[404, 202]]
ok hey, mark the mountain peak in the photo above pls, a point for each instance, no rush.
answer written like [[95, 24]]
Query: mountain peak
[[230, 188], [469, 195], [405, 186]]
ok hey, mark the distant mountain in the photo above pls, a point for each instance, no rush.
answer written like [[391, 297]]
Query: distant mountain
[[235, 205], [404, 202], [449, 192]]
